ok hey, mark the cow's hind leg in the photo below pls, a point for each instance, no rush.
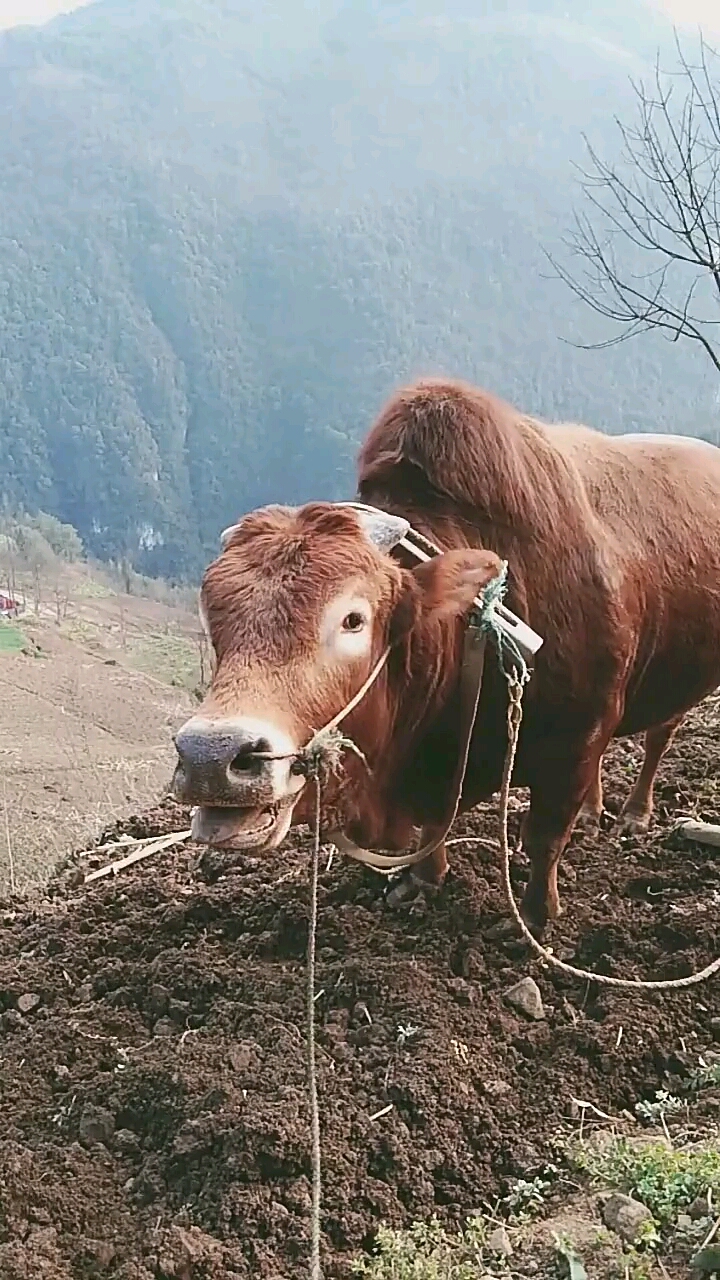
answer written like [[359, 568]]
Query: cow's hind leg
[[428, 876], [638, 808], [591, 810]]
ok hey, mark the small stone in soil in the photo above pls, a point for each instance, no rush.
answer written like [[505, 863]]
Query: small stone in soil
[[158, 997], [126, 1142], [164, 1027], [525, 997], [699, 1208], [28, 1002], [243, 1055], [102, 1251], [461, 990], [625, 1216], [499, 1242], [501, 929], [496, 1088], [179, 1010]]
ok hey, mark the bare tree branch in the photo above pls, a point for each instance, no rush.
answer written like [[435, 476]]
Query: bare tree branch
[[647, 243]]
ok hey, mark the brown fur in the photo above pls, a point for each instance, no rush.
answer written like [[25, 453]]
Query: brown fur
[[614, 554], [614, 557], [256, 595]]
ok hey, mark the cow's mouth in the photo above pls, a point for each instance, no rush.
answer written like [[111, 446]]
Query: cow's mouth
[[252, 827]]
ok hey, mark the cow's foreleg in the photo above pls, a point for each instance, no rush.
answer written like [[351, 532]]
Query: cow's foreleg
[[428, 876], [637, 810], [569, 772]]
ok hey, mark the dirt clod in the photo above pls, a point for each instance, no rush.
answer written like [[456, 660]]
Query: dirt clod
[[96, 1125]]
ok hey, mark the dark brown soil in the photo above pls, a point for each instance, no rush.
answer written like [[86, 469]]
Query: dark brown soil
[[154, 1112]]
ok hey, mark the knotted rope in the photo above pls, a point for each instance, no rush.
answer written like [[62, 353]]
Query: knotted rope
[[315, 1269], [484, 616]]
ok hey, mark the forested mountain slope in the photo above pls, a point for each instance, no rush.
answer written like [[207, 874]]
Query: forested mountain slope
[[228, 229]]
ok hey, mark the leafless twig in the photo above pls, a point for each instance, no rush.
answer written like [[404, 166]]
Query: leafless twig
[[138, 855], [648, 237]]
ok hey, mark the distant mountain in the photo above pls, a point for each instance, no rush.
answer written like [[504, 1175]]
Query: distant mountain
[[228, 229]]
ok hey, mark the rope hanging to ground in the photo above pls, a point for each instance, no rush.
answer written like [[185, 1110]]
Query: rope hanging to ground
[[603, 980], [315, 1270]]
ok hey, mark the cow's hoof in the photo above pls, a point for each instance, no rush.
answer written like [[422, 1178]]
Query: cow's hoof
[[633, 824], [587, 823], [539, 918], [403, 893]]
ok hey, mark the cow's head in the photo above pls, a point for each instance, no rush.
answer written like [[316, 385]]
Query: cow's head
[[299, 607]]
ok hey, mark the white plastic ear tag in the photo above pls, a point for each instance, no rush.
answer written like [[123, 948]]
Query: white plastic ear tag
[[384, 530]]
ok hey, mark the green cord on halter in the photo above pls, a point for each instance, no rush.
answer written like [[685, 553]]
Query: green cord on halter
[[484, 617]]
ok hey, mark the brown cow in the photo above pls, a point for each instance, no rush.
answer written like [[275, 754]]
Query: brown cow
[[613, 546]]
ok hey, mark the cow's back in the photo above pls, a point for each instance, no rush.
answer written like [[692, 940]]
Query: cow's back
[[653, 492], [613, 541]]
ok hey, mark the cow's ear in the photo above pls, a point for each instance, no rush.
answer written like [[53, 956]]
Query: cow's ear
[[450, 583]]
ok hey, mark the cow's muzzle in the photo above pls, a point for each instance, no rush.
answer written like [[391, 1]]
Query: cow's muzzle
[[241, 775]]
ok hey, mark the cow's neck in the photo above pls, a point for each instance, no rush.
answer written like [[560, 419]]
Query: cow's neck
[[422, 709]]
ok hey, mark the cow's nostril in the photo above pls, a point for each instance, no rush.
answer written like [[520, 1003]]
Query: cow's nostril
[[244, 762], [249, 758]]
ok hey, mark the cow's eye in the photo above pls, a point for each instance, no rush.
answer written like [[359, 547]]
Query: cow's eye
[[353, 621]]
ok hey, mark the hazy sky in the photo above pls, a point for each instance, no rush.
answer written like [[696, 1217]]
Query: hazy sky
[[705, 13], [12, 12]]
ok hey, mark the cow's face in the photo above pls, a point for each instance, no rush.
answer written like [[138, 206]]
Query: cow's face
[[299, 607]]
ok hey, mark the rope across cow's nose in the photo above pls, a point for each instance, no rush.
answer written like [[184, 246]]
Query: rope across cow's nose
[[322, 754]]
